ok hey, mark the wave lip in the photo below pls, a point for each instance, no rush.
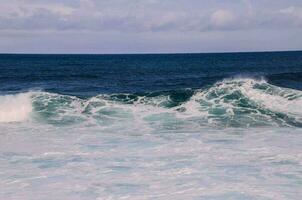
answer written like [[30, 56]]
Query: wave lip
[[15, 108]]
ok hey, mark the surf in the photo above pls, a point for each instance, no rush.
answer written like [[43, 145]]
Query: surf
[[15, 108], [238, 102]]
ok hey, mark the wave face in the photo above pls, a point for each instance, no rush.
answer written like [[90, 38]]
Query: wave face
[[229, 103]]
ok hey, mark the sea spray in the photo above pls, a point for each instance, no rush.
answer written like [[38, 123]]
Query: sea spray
[[15, 108]]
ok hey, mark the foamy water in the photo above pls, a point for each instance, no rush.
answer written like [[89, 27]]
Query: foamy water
[[238, 139], [14, 108]]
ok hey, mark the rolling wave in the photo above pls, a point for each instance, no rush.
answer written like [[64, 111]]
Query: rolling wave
[[229, 103]]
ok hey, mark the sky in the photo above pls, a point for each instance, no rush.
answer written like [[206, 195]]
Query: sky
[[149, 26]]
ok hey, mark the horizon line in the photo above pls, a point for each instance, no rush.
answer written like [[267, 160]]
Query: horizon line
[[152, 53]]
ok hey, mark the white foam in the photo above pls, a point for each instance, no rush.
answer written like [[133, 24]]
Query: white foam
[[275, 101], [15, 108], [263, 94]]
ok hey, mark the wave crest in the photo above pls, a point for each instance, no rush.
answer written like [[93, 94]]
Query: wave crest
[[249, 102], [232, 102]]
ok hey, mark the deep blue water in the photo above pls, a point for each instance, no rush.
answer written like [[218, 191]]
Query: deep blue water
[[89, 75]]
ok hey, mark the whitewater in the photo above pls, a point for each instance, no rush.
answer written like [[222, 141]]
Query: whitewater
[[239, 138]]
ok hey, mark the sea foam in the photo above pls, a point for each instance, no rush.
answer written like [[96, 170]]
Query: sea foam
[[15, 108]]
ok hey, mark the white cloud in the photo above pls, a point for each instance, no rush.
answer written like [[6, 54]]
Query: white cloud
[[149, 15], [222, 18], [294, 13], [149, 25]]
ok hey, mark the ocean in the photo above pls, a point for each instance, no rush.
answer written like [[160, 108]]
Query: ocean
[[217, 126]]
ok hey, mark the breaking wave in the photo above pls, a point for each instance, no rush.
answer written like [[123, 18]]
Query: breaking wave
[[14, 108], [229, 103]]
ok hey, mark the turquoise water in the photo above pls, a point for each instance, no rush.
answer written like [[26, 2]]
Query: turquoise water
[[193, 126]]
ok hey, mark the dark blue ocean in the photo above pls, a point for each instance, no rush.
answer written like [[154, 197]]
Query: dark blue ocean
[[89, 75], [151, 126]]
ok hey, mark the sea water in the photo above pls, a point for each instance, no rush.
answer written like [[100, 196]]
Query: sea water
[[166, 126]]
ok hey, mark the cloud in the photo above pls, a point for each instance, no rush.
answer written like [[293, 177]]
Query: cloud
[[149, 25], [292, 14], [222, 18], [139, 16]]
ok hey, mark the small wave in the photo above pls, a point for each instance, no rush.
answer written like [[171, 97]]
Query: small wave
[[239, 102]]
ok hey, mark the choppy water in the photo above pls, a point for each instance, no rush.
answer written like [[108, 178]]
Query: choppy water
[[194, 126]]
